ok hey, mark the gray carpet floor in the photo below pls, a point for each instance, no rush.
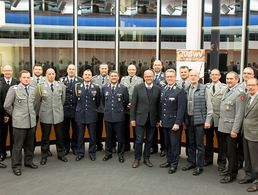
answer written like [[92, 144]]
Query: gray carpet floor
[[112, 178]]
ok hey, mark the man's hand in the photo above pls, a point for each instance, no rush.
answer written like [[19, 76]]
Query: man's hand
[[207, 125], [6, 119], [175, 127], [133, 123], [233, 134]]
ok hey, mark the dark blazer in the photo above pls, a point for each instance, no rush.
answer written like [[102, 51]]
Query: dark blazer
[[87, 103], [4, 89], [114, 103], [141, 105], [172, 105]]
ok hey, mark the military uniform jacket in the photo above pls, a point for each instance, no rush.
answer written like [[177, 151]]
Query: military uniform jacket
[[87, 103], [232, 110], [70, 97], [172, 106], [51, 108], [130, 86], [21, 106], [250, 124], [216, 100], [33, 81], [114, 103], [97, 80], [160, 80], [180, 84]]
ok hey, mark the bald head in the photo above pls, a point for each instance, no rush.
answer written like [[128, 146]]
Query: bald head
[[50, 75], [131, 70], [148, 77], [194, 77], [7, 70], [248, 73]]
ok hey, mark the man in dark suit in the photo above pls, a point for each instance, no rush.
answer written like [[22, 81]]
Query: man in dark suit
[[115, 99], [250, 141], [69, 109], [88, 100], [144, 114], [173, 104], [6, 122]]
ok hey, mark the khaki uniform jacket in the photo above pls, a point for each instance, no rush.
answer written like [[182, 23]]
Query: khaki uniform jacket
[[51, 108], [21, 106], [232, 109]]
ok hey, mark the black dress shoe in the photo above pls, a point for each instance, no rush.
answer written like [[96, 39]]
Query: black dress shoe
[[153, 150], [207, 163], [92, 157], [221, 168], [228, 179], [197, 171], [121, 159], [245, 180], [171, 170], [49, 153], [32, 166], [2, 165], [136, 163], [188, 167], [17, 172], [62, 158], [252, 188], [223, 173], [164, 165], [79, 157], [162, 153], [43, 161], [148, 163], [106, 157]]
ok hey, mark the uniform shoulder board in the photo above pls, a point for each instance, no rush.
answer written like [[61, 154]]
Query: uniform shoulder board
[[14, 86], [240, 89], [208, 85], [62, 79]]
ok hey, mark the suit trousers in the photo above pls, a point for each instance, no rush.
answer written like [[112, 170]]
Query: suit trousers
[[99, 130], [230, 144], [112, 129], [23, 138], [70, 143], [196, 143], [172, 141], [3, 136], [209, 148], [46, 129], [251, 162], [80, 139], [139, 132]]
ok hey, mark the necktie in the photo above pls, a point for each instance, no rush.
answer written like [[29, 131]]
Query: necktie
[[213, 89], [183, 84], [131, 79], [52, 87], [87, 88], [8, 82], [38, 80], [71, 82], [103, 80], [26, 90], [113, 89]]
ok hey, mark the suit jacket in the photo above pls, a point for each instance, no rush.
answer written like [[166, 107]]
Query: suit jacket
[[142, 106], [51, 107], [216, 100], [232, 110], [250, 124], [87, 103], [114, 103], [172, 106], [130, 86], [21, 106], [4, 89]]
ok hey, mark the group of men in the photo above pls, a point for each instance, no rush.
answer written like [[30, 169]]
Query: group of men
[[159, 103]]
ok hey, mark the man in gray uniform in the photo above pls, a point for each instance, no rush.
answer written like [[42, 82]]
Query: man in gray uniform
[[216, 89], [250, 129], [130, 82], [20, 104], [230, 122], [51, 112], [100, 80]]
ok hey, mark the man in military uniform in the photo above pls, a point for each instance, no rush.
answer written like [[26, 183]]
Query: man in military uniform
[[130, 82], [159, 80], [100, 80], [51, 112], [20, 104], [6, 122], [88, 100], [69, 109], [232, 109], [173, 104], [216, 90], [198, 118], [115, 99]]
